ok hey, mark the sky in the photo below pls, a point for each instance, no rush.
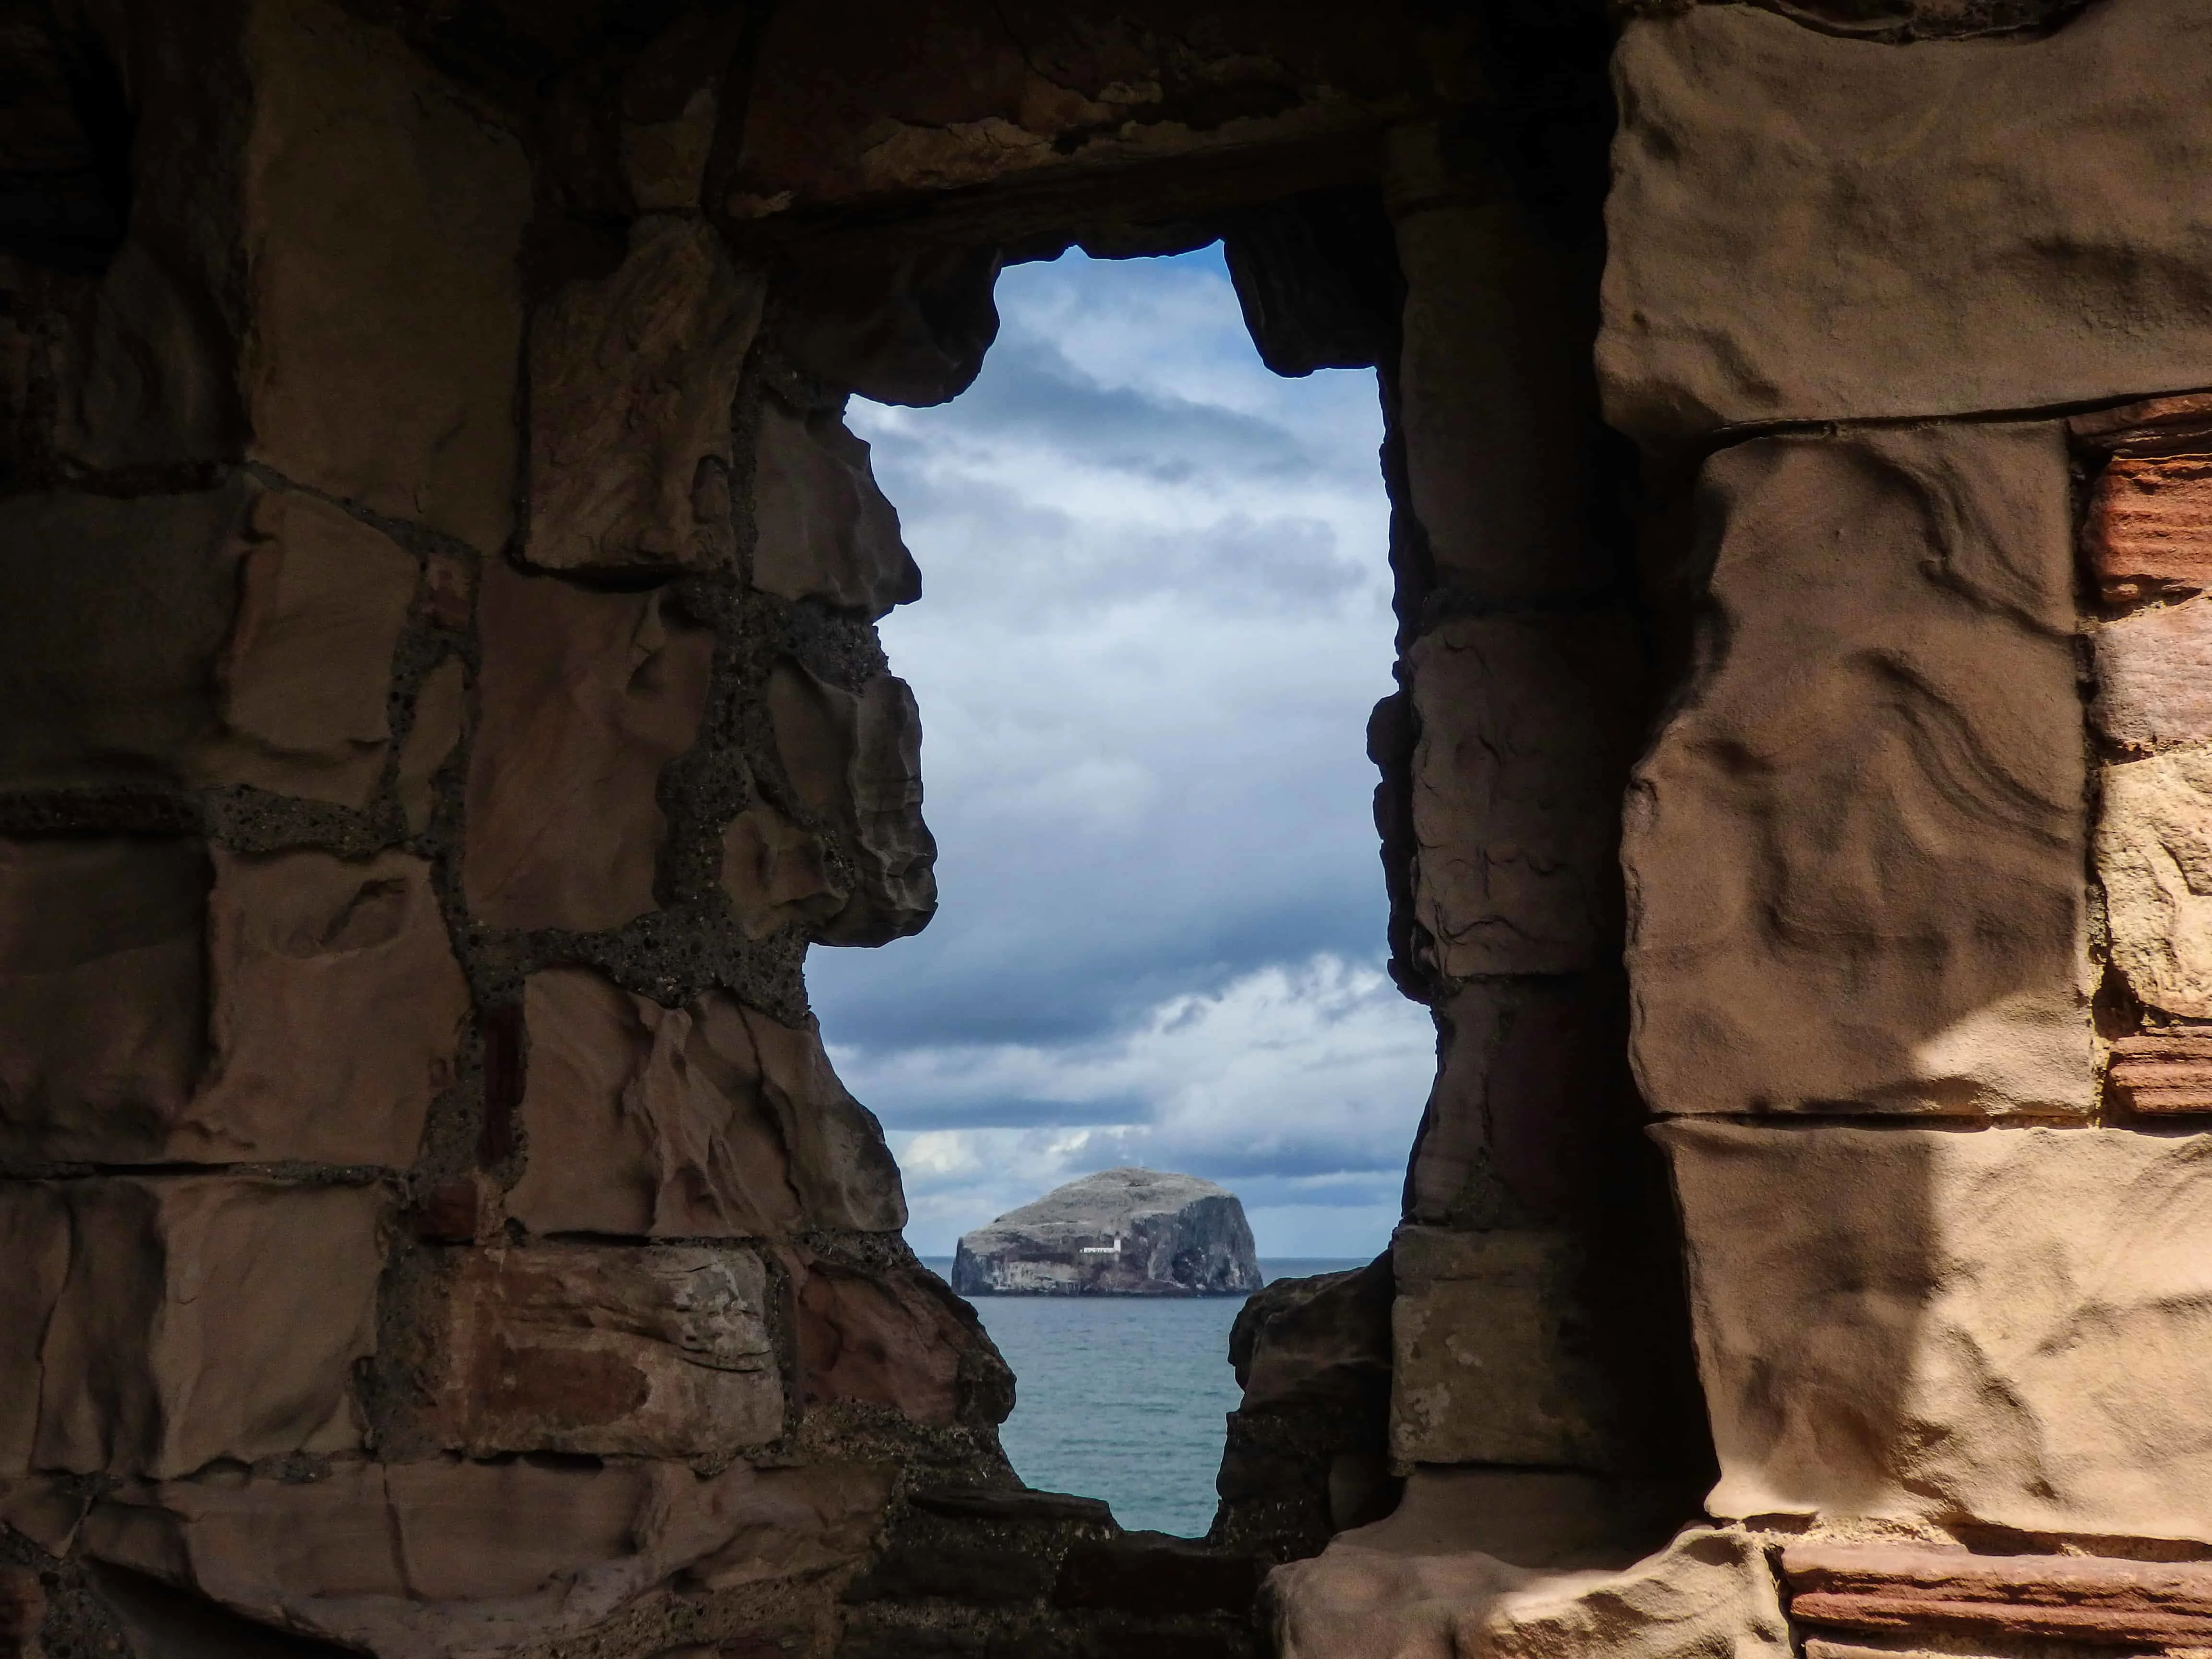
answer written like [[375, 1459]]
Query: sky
[[1155, 614]]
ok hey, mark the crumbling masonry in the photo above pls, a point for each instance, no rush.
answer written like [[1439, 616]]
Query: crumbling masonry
[[439, 705]]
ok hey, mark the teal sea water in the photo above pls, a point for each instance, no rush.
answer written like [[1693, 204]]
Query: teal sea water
[[1123, 1397]]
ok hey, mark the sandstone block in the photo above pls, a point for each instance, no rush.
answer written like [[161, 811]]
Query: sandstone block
[[1530, 1075], [384, 220], [664, 162], [1486, 1364], [822, 529], [1855, 848], [2164, 1071], [1527, 726], [777, 873], [336, 1010], [1985, 1327], [896, 1338], [1496, 401], [117, 612], [426, 1561], [1803, 227], [854, 759], [308, 671], [2154, 677], [2154, 860], [708, 1121], [440, 713], [2149, 525], [631, 379], [582, 698], [610, 1352], [306, 1008], [1386, 1591], [1910, 1590], [103, 989], [185, 1318]]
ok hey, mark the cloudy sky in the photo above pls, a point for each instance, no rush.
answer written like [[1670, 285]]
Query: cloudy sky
[[1155, 615]]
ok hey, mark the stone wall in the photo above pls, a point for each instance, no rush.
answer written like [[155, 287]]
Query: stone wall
[[443, 706]]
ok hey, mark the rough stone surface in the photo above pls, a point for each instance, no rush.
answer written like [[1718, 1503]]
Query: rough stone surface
[[777, 873], [103, 989], [1531, 1074], [384, 221], [1904, 1589], [1121, 1232], [2149, 525], [169, 1322], [1400, 1589], [898, 1338], [854, 759], [1808, 227], [2155, 862], [2164, 1071], [1855, 848], [306, 1008], [425, 1560], [2154, 677], [584, 696], [1980, 1327], [1487, 1363], [707, 1120], [631, 381], [337, 1008], [116, 613], [822, 529], [304, 678], [1527, 728], [610, 1352], [441, 715]]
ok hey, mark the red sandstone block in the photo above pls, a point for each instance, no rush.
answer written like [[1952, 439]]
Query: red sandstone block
[[2078, 1598], [2149, 529], [2164, 1070]]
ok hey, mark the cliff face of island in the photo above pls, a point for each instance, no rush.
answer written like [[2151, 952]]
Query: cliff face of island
[[1119, 1232]]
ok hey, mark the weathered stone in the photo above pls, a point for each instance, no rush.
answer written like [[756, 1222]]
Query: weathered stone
[[664, 162], [1487, 1363], [1904, 1589], [34, 1241], [708, 1121], [117, 612], [336, 1004], [1155, 1573], [898, 1338], [22, 1611], [2155, 862], [776, 873], [1123, 1231], [103, 1021], [583, 697], [306, 674], [2154, 677], [1403, 1589], [1527, 727], [822, 529], [631, 379], [1807, 227], [1327, 1337], [1495, 397], [1952, 1328], [337, 1008], [384, 226], [2149, 525], [855, 761], [191, 1318], [612, 1352], [440, 710], [1529, 1075], [2164, 1071], [426, 1561], [1855, 848]]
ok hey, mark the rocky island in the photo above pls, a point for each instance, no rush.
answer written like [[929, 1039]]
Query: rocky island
[[1119, 1232]]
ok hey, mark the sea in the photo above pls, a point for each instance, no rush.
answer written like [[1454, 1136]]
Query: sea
[[1124, 1397]]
